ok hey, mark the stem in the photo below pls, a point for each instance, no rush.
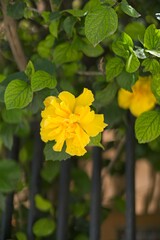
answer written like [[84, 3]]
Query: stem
[[6, 226], [96, 195], [63, 200], [130, 179], [35, 179], [13, 39]]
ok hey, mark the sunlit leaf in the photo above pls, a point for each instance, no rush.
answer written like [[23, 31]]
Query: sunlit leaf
[[147, 126], [100, 23], [18, 94], [43, 227]]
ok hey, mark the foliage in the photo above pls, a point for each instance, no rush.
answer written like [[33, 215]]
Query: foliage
[[103, 45]]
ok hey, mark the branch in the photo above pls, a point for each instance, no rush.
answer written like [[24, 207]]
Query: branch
[[13, 39], [90, 73]]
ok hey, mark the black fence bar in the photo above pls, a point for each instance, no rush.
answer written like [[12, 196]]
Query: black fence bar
[[63, 203], [130, 179], [95, 212], [6, 226], [35, 183]]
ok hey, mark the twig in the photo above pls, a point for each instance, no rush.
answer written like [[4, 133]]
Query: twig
[[116, 157], [12, 36], [90, 73]]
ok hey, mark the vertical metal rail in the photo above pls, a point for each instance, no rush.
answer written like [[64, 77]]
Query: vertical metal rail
[[63, 203], [6, 226], [35, 182], [130, 233], [95, 211]]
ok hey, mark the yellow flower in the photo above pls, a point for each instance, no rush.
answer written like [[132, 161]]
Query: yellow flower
[[70, 120], [141, 98]]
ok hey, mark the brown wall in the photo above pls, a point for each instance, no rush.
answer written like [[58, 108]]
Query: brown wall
[[116, 221]]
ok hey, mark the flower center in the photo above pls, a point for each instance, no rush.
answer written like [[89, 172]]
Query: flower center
[[70, 125]]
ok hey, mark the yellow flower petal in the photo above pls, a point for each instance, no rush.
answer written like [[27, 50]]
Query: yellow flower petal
[[140, 100], [73, 148], [47, 134], [50, 100], [68, 99], [124, 98], [48, 111], [61, 112], [96, 126], [81, 136], [58, 146], [85, 114], [85, 99], [70, 120], [140, 105]]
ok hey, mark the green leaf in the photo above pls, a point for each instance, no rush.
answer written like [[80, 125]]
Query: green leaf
[[44, 46], [154, 52], [114, 67], [119, 204], [110, 2], [106, 96], [9, 175], [81, 237], [151, 65], [41, 79], [48, 42], [155, 86], [44, 65], [2, 91], [28, 13], [3, 202], [46, 16], [23, 128], [50, 154], [81, 181], [68, 25], [128, 9], [79, 209], [43, 51], [96, 141], [126, 80], [43, 227], [2, 77], [115, 116], [12, 115], [16, 9], [122, 45], [88, 49], [39, 97], [18, 94], [147, 126], [100, 23], [29, 71], [42, 204], [13, 76], [65, 52], [135, 30], [132, 63], [50, 170], [92, 4], [53, 28], [152, 38], [55, 15], [6, 134], [76, 12], [21, 236], [70, 69]]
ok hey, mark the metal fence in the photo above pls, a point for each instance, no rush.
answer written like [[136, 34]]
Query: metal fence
[[63, 207]]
